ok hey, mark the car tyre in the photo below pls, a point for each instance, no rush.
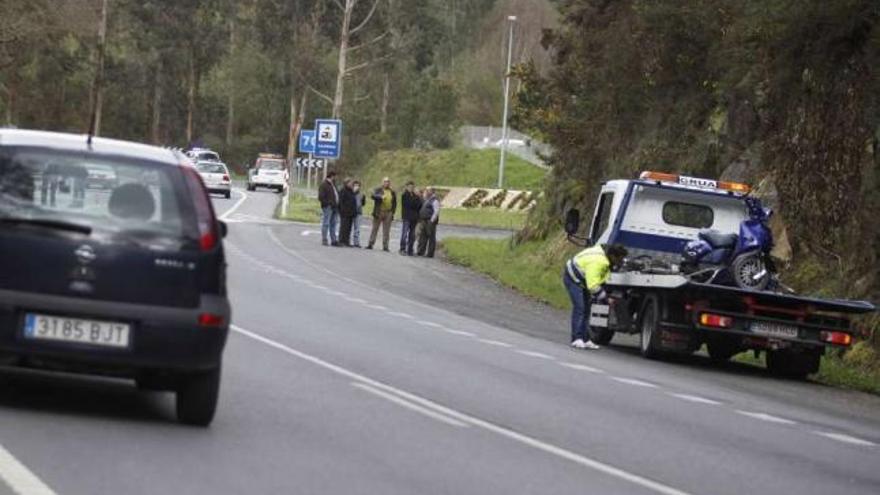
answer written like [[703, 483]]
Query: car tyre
[[197, 395], [228, 194], [649, 323], [601, 336]]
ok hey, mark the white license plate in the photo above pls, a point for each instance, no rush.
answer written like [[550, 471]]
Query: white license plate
[[775, 330], [76, 330]]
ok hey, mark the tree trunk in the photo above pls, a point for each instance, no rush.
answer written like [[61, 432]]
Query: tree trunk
[[156, 118], [343, 55], [98, 84], [386, 96], [230, 98], [191, 96]]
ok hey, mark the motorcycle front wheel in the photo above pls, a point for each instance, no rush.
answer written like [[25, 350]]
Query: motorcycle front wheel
[[749, 271]]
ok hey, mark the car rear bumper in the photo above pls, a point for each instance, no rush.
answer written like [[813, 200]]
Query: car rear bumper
[[162, 338], [219, 188]]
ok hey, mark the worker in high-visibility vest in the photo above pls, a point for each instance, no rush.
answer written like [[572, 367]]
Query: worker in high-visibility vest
[[584, 277]]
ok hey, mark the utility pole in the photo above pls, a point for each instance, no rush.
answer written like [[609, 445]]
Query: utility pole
[[97, 85], [505, 137]]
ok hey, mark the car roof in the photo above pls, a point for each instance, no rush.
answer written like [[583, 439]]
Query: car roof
[[78, 143]]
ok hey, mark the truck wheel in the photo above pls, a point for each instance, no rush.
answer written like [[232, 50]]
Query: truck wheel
[[744, 269], [197, 397], [601, 336], [721, 351], [794, 364], [650, 332]]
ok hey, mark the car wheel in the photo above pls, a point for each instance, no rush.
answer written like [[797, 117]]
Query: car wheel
[[197, 395], [228, 194], [649, 320]]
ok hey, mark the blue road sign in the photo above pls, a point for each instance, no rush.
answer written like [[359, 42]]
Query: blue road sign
[[328, 142], [307, 141]]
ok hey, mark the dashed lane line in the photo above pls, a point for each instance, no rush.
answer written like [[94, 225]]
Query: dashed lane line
[[633, 381], [398, 314], [534, 354], [409, 405], [460, 333], [429, 324], [696, 399], [496, 343], [521, 438], [766, 417], [582, 367], [840, 437]]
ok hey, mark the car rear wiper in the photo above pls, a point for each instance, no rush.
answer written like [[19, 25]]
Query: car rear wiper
[[47, 223]]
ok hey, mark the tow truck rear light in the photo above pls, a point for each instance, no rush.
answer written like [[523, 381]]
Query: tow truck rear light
[[684, 180], [838, 338], [717, 321]]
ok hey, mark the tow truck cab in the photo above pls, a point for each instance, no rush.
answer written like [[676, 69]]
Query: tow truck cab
[[269, 171], [654, 217]]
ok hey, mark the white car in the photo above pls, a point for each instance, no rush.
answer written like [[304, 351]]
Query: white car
[[268, 172], [216, 177], [202, 155]]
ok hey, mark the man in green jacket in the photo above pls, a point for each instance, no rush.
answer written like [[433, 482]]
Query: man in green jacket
[[584, 276]]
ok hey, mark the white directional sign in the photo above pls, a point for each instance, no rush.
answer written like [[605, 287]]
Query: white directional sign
[[309, 163]]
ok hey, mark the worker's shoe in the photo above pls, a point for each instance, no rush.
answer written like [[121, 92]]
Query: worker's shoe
[[580, 344]]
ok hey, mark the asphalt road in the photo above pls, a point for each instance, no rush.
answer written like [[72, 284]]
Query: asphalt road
[[351, 371]]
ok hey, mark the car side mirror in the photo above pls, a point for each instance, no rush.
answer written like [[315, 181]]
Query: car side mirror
[[572, 221], [224, 229]]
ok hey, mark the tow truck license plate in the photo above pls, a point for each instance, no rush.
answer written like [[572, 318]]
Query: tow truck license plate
[[75, 330], [775, 330]]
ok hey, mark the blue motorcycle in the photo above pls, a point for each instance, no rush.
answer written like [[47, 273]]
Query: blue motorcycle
[[738, 260]]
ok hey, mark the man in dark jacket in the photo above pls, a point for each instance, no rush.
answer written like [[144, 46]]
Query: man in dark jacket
[[384, 206], [429, 217], [328, 196], [409, 214], [347, 211]]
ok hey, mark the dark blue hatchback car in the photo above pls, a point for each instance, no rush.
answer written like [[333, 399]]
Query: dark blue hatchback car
[[127, 281]]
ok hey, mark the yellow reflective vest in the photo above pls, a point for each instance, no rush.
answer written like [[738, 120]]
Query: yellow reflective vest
[[590, 268]]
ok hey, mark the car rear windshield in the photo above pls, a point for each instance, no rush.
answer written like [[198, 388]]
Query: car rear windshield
[[271, 164], [141, 204], [211, 168]]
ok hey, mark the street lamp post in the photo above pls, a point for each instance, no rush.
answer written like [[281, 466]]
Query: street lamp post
[[505, 137]]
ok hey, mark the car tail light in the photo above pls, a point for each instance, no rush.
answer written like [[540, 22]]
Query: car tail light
[[713, 320], [225, 178], [210, 320], [204, 211], [839, 338]]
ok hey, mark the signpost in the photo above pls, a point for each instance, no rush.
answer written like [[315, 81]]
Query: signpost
[[328, 141], [306, 145]]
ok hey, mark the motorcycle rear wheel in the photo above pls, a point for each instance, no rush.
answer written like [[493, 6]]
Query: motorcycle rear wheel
[[744, 269]]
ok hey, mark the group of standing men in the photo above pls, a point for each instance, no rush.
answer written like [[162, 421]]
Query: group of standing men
[[419, 213]]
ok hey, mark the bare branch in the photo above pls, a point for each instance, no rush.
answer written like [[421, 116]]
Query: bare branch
[[358, 99], [366, 19], [368, 43], [366, 64], [322, 95], [339, 5]]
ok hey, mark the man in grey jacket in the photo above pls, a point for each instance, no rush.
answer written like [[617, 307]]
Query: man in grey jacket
[[429, 217]]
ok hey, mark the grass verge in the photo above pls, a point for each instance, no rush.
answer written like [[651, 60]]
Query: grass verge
[[456, 167], [531, 268], [301, 208], [491, 219]]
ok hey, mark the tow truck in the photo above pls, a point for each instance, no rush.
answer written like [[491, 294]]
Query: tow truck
[[654, 216]]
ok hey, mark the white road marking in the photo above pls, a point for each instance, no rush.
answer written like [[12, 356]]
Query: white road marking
[[533, 354], [521, 438], [356, 300], [766, 417], [376, 306], [429, 324], [696, 398], [401, 315], [582, 367], [409, 405], [461, 333], [19, 477], [497, 343], [633, 381], [840, 437], [306, 233], [238, 203]]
